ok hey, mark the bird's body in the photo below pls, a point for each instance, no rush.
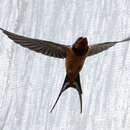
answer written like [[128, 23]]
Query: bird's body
[[74, 56], [73, 64]]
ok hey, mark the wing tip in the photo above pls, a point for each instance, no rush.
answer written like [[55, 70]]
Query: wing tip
[[5, 31], [2, 30]]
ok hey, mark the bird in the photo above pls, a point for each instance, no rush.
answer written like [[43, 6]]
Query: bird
[[74, 55]]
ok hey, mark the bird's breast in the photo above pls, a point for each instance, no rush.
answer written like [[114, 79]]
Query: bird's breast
[[74, 64]]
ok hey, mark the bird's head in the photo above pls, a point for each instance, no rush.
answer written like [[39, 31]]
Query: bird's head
[[80, 47]]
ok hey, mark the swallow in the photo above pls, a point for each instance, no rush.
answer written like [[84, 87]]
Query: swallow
[[74, 56]]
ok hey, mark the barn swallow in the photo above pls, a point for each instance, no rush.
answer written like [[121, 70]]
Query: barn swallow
[[74, 55]]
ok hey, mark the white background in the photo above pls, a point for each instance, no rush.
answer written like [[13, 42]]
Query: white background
[[30, 82]]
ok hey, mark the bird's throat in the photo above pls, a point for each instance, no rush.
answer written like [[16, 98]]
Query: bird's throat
[[79, 52]]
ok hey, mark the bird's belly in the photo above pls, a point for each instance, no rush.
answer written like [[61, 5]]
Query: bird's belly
[[74, 65]]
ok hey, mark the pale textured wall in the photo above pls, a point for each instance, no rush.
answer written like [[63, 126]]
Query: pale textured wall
[[30, 82]]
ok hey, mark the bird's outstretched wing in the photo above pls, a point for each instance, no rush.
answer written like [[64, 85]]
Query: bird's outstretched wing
[[97, 48], [41, 46]]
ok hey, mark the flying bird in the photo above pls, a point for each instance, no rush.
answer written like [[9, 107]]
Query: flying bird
[[74, 55]]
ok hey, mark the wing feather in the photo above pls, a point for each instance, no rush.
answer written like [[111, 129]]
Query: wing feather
[[41, 46], [97, 48]]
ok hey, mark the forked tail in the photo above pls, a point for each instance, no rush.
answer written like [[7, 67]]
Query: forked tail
[[76, 84]]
